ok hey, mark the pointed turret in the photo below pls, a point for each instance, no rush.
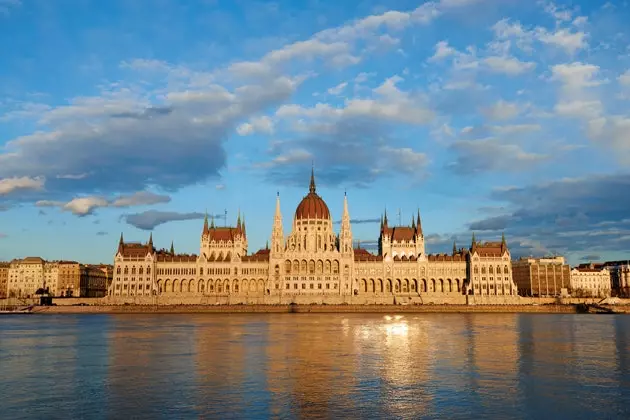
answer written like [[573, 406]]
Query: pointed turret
[[205, 224], [243, 226], [385, 220], [346, 231], [172, 248], [419, 224], [277, 234], [238, 220], [311, 188], [150, 243], [121, 243], [503, 243], [454, 248], [473, 244], [212, 222], [413, 223]]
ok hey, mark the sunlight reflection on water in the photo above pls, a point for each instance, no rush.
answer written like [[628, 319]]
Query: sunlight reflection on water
[[315, 365]]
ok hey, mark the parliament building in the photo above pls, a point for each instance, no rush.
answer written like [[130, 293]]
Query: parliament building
[[312, 264]]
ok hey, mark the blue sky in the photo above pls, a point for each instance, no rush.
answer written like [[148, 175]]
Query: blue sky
[[490, 116]]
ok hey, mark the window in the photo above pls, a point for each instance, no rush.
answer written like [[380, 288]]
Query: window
[[319, 285], [295, 286], [288, 286], [327, 285], [303, 285]]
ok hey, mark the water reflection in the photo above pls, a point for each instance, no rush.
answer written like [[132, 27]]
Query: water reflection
[[315, 366]]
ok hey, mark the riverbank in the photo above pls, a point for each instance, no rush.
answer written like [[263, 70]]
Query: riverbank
[[389, 309]]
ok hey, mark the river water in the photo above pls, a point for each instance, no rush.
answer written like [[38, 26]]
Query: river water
[[328, 366]]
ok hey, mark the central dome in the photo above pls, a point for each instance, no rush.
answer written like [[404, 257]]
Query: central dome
[[312, 206]]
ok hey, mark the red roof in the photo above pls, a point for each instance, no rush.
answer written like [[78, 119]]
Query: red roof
[[260, 255], [225, 234], [361, 254], [312, 206], [401, 233]]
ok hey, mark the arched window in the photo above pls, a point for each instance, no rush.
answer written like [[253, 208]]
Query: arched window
[[287, 266], [490, 270], [118, 270], [141, 271], [335, 267], [133, 270], [148, 271], [126, 270], [311, 267]]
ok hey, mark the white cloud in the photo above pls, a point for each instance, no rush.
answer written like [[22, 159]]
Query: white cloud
[[391, 104], [262, 124], [576, 76], [502, 110], [83, 206], [337, 89], [565, 39], [442, 50], [486, 155], [613, 132], [11, 185], [508, 65], [624, 79], [579, 109]]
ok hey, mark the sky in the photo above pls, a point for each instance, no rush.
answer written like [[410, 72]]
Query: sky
[[487, 116]]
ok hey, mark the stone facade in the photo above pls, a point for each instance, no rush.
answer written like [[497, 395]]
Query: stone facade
[[4, 278], [312, 264], [620, 277], [542, 277], [59, 278], [590, 281]]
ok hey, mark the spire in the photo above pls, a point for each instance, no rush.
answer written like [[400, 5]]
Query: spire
[[267, 244], [474, 241], [121, 243], [503, 238], [205, 223], [238, 219], [150, 243], [413, 223], [454, 248], [419, 223], [311, 188], [212, 222], [243, 226], [385, 218], [172, 248]]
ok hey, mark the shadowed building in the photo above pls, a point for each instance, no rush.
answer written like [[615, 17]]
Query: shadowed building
[[620, 277], [312, 264], [4, 278], [542, 277]]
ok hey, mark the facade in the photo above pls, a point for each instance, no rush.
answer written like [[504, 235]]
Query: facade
[[590, 280], [4, 278], [620, 277], [312, 264], [58, 278], [542, 277], [94, 280]]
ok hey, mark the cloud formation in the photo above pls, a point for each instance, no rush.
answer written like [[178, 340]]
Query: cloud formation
[[149, 219], [83, 206]]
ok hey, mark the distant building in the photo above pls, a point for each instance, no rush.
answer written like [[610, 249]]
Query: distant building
[[4, 278], [620, 277], [311, 264], [93, 281], [58, 278], [590, 280], [542, 277]]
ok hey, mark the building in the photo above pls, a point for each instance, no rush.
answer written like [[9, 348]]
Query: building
[[312, 264], [542, 277], [620, 277], [590, 280], [93, 281], [4, 278], [58, 278]]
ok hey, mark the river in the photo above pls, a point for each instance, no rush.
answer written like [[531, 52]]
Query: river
[[328, 366]]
